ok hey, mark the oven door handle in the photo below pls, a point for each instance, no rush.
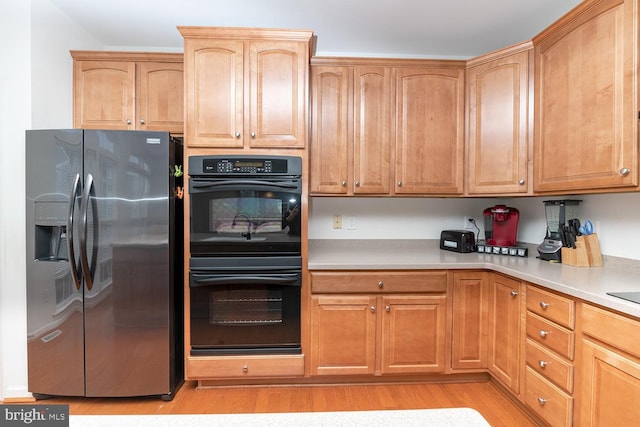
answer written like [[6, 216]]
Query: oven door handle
[[260, 184], [199, 280]]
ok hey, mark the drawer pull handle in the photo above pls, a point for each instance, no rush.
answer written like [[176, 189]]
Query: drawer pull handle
[[245, 368], [542, 401], [542, 363], [543, 305], [543, 334], [380, 284], [514, 293]]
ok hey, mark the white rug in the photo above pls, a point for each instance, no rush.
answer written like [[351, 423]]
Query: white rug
[[421, 417]]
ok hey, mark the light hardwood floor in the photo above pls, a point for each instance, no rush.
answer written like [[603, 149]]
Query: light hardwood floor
[[485, 397]]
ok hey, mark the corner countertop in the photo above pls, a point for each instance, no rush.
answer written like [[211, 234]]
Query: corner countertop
[[587, 283]]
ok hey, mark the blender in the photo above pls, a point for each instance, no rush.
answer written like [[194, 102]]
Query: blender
[[557, 212]]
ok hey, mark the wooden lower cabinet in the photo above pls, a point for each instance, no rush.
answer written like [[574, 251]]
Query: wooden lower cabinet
[[505, 327], [375, 334], [609, 381], [470, 330]]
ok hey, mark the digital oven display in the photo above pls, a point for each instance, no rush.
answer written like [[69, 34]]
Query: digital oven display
[[244, 166]]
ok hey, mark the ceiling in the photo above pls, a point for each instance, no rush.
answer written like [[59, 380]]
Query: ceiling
[[400, 28]]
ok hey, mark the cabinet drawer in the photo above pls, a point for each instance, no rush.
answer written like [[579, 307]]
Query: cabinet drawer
[[550, 365], [245, 366], [550, 335], [547, 400], [378, 282], [551, 306], [611, 328]]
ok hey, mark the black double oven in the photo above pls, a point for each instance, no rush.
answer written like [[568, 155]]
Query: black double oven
[[246, 265]]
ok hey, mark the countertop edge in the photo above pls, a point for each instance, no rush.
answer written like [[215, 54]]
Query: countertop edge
[[590, 284]]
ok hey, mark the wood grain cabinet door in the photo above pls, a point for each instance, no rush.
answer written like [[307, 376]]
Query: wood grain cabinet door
[[498, 125], [214, 92], [330, 100], [470, 320], [413, 334], [429, 133], [160, 96], [586, 100], [372, 136], [343, 334], [276, 98], [104, 93]]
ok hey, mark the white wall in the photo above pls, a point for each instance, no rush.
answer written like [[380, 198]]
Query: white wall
[[616, 217], [35, 92]]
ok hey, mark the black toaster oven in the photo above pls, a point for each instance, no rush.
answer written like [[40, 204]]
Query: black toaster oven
[[463, 241]]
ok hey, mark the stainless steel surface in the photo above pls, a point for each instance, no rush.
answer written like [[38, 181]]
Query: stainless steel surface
[[100, 320]]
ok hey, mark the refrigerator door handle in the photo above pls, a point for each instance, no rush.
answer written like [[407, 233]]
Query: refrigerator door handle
[[75, 268], [88, 270]]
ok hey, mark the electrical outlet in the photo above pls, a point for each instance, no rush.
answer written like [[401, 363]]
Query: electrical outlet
[[337, 222], [468, 225]]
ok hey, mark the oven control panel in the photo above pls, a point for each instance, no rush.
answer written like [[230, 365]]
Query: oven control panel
[[244, 165]]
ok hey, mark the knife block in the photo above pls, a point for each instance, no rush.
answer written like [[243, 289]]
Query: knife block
[[586, 254]]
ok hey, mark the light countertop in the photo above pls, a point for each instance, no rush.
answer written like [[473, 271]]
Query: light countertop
[[587, 283]]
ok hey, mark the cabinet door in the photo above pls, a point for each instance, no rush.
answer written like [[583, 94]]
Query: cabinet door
[[276, 100], [505, 341], [160, 96], [343, 335], [330, 95], [610, 389], [470, 320], [586, 100], [104, 95], [413, 334], [372, 136], [214, 92], [429, 132], [498, 120]]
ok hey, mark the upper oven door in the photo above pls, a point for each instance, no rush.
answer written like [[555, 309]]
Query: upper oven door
[[245, 216]]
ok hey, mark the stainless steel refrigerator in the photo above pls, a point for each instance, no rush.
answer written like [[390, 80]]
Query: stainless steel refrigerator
[[104, 263]]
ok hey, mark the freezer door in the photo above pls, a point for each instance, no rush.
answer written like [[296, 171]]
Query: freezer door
[[54, 291], [125, 217]]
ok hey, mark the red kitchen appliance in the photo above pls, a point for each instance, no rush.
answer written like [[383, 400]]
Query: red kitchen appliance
[[501, 225]]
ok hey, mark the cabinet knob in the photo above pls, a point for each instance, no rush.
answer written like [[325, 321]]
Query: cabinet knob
[[388, 308], [380, 284], [128, 122], [542, 401], [373, 309], [399, 183], [521, 182], [542, 363], [543, 305], [237, 134], [245, 368], [625, 171], [344, 183], [141, 121], [253, 134], [357, 183], [543, 334], [514, 293]]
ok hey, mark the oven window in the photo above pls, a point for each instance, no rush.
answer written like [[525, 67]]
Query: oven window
[[244, 214], [245, 307]]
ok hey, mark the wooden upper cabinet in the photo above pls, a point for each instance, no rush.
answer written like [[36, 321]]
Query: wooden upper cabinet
[[330, 137], [372, 136], [586, 99], [128, 91], [429, 135], [499, 121], [246, 87]]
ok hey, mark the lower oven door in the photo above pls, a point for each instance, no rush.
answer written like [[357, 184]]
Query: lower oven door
[[245, 312]]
